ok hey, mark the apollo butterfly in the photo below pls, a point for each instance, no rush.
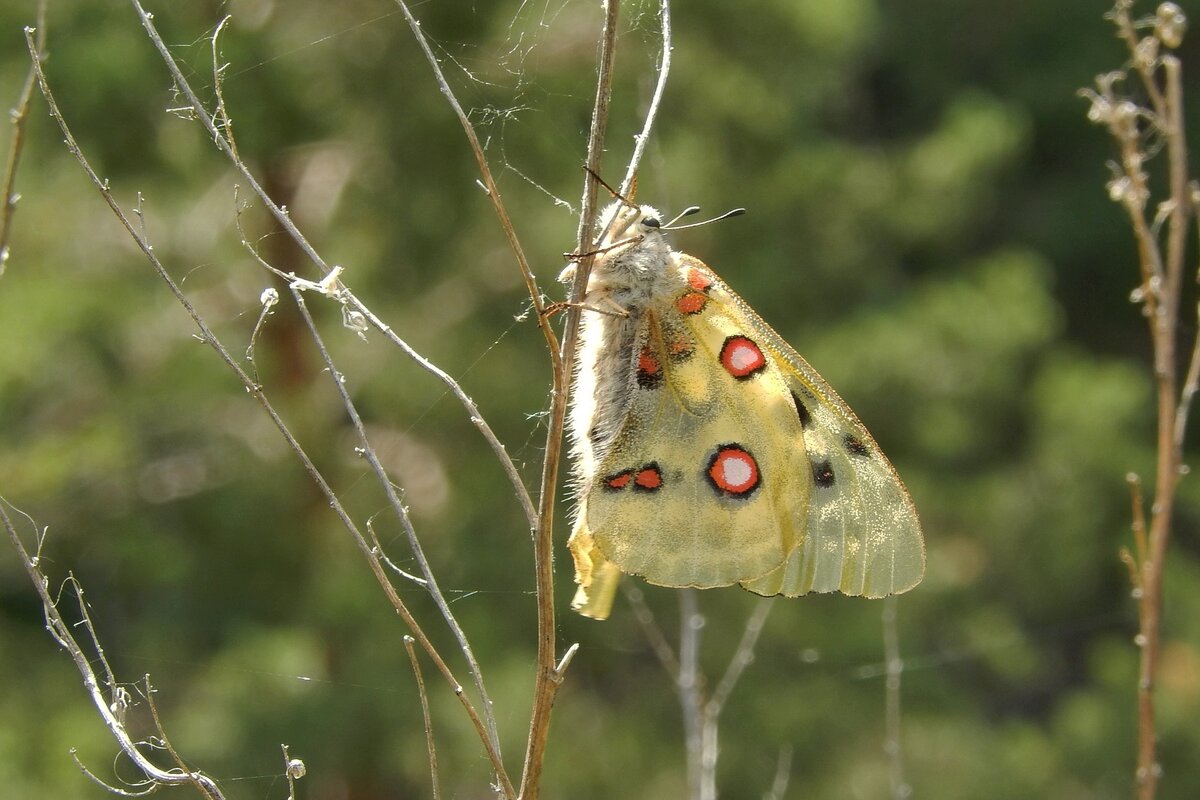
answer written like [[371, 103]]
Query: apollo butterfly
[[707, 452]]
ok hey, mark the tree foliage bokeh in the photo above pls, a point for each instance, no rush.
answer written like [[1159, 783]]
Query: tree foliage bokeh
[[928, 226]]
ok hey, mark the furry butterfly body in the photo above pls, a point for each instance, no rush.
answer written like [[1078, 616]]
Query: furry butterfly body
[[707, 452]]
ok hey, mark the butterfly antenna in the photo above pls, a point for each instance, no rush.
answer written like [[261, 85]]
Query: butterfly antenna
[[736, 212], [687, 212], [611, 190]]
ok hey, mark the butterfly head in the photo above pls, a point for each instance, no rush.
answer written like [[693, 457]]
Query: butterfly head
[[633, 245], [625, 223]]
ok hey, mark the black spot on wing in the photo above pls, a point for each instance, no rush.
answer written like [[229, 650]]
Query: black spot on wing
[[856, 446], [802, 411], [823, 474]]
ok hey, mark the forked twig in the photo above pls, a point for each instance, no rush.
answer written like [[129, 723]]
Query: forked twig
[[107, 708], [701, 713]]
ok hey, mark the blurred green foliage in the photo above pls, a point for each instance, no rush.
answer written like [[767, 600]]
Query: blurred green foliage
[[928, 225]]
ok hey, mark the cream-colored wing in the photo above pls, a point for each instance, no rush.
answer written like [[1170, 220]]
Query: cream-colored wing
[[861, 531], [737, 463], [698, 487]]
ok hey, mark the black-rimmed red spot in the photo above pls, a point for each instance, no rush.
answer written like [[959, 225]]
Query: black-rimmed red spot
[[823, 474], [732, 471], [646, 478], [741, 357], [698, 280], [856, 446], [691, 302], [619, 481], [649, 371]]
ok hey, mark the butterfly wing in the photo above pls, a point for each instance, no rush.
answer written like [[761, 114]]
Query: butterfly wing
[[737, 463], [679, 498], [861, 531]]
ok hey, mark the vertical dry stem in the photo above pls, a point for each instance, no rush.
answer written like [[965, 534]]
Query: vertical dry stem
[[19, 116], [1137, 130]]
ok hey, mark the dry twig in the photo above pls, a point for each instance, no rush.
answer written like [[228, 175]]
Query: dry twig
[[1138, 130], [429, 745], [112, 708], [209, 337], [18, 117]]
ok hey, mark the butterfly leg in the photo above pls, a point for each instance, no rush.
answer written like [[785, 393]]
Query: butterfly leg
[[613, 309]]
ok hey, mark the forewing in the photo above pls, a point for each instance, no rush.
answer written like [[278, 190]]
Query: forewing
[[700, 485]]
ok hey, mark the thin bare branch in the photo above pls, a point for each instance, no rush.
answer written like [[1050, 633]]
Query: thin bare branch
[[397, 505], [18, 118], [86, 618], [546, 681], [893, 744], [401, 512], [690, 689], [654, 634], [164, 739], [116, 726], [333, 288], [429, 744], [293, 770], [660, 86], [221, 118], [208, 337], [151, 786], [742, 657], [1160, 294], [783, 775], [485, 172]]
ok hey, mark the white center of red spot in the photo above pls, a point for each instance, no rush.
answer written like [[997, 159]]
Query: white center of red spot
[[743, 358], [737, 471]]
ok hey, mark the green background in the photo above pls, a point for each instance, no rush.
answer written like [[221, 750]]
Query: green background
[[928, 225]]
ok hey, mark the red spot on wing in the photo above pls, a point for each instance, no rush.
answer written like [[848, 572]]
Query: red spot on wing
[[741, 357], [698, 280], [618, 481], [648, 478], [691, 303], [680, 349], [649, 371], [733, 471]]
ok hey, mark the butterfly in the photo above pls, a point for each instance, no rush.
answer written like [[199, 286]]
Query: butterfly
[[707, 452]]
